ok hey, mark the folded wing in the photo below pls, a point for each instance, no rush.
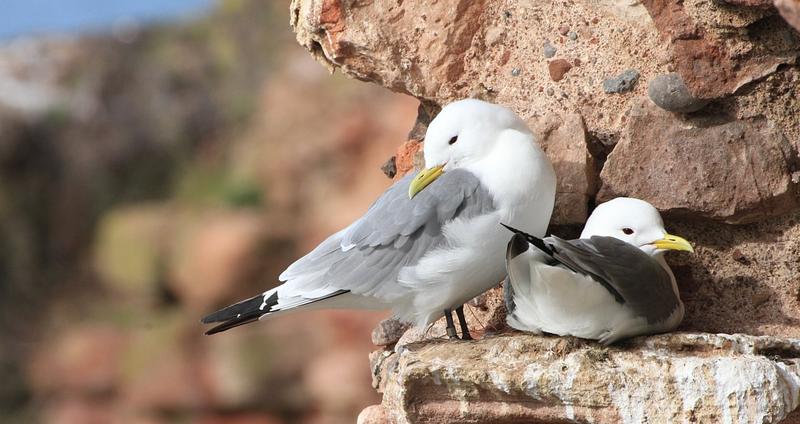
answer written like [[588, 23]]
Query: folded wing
[[363, 260], [632, 276]]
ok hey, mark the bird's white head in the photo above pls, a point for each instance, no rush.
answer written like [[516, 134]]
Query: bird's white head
[[636, 222], [463, 132]]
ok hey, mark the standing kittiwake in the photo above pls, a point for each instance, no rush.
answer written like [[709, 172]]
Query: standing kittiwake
[[611, 283], [432, 241]]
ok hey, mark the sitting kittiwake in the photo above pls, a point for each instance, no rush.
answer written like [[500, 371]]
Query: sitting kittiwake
[[432, 241], [610, 284]]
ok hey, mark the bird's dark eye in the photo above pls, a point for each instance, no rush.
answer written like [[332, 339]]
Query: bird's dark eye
[[627, 231], [453, 140]]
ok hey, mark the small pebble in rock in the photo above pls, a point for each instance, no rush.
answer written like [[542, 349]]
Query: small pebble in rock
[[670, 93], [515, 72], [622, 82], [558, 68], [761, 298], [389, 168], [738, 256], [507, 14], [563, 30], [549, 50], [550, 91], [572, 35]]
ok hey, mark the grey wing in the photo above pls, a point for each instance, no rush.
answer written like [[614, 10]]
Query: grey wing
[[632, 276], [394, 233]]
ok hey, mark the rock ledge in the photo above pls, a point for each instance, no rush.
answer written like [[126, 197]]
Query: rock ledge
[[511, 378]]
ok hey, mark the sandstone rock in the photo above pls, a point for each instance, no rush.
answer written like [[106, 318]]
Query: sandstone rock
[[790, 10], [388, 332], [389, 167], [670, 93], [711, 68], [525, 378], [363, 42], [564, 141], [749, 3], [409, 157], [733, 266], [717, 16], [715, 171], [373, 414]]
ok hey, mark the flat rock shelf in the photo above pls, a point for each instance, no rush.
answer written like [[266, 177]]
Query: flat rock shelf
[[522, 378]]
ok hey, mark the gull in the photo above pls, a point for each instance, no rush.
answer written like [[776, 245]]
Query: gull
[[432, 241], [610, 284]]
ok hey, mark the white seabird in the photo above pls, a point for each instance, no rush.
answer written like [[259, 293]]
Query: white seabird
[[430, 242], [611, 283]]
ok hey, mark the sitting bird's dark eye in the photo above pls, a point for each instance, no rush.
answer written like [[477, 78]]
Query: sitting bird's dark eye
[[453, 140], [627, 231]]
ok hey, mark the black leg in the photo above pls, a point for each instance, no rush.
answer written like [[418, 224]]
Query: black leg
[[451, 327], [463, 321]]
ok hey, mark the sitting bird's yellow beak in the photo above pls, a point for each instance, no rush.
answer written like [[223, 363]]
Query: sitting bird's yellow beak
[[670, 242]]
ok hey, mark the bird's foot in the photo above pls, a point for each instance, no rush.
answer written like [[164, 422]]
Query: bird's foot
[[608, 337], [451, 327], [462, 321], [451, 333]]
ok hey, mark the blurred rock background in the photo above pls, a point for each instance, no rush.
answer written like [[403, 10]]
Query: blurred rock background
[[150, 174]]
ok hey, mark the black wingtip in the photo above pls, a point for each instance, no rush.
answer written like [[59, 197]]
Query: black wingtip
[[517, 246], [240, 313], [233, 323], [512, 229], [536, 241]]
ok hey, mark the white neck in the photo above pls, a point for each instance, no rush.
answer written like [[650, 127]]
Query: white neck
[[520, 176]]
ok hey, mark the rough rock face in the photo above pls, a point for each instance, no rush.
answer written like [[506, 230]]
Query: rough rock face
[[726, 176], [523, 378], [565, 142], [738, 171]]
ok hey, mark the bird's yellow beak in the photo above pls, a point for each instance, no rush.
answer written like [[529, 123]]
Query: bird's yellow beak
[[424, 178], [670, 242]]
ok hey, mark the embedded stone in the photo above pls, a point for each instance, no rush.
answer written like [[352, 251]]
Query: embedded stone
[[670, 93]]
